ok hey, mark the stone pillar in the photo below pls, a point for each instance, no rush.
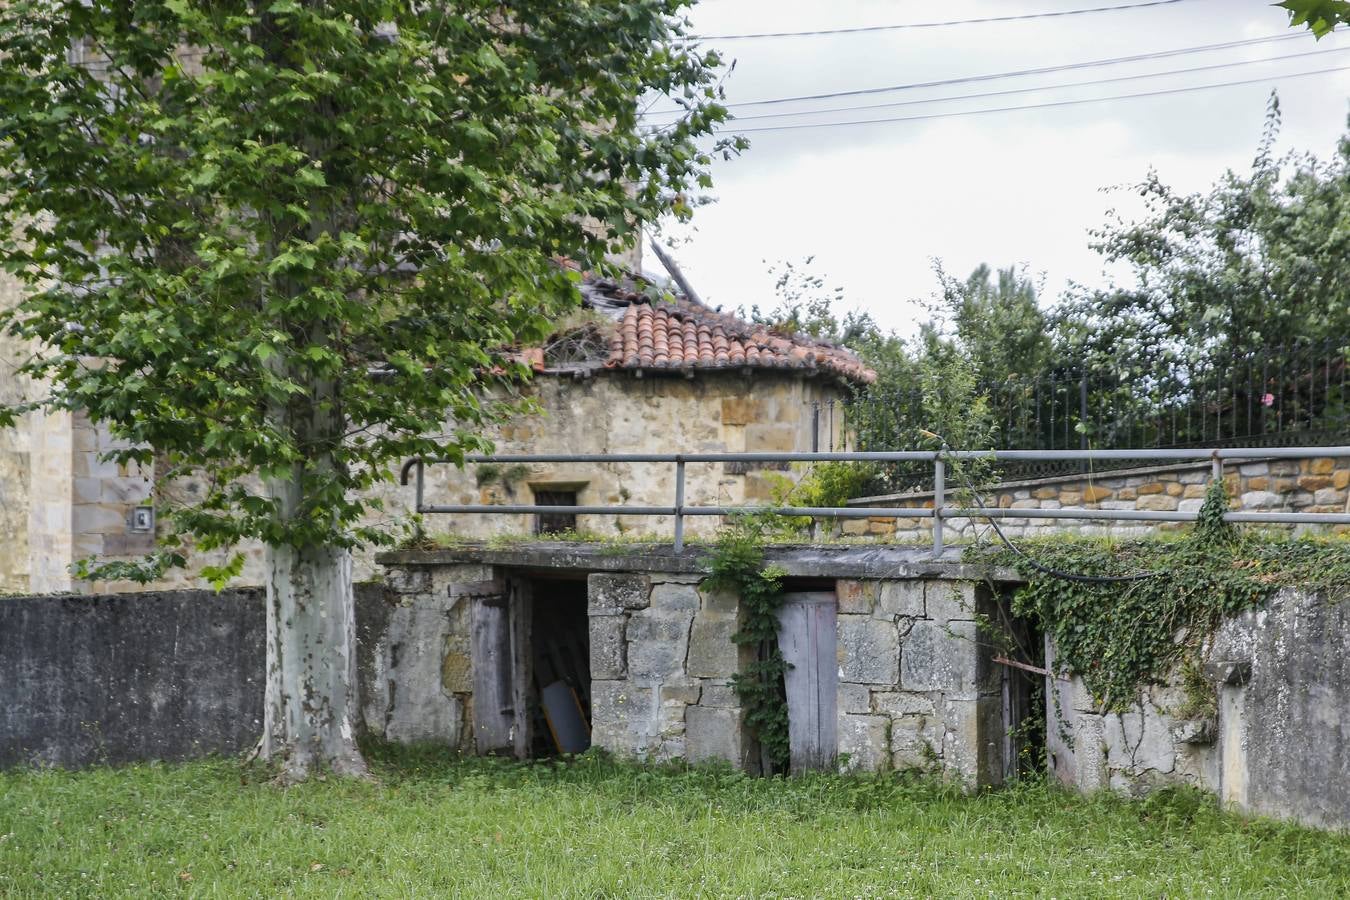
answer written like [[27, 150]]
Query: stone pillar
[[915, 689], [51, 461], [415, 665], [662, 660]]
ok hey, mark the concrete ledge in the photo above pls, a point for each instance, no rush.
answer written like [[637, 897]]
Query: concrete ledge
[[799, 561]]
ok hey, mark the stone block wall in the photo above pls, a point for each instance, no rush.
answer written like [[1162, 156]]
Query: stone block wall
[[1314, 484], [662, 661], [619, 413], [916, 689], [62, 503], [414, 661], [1270, 736]]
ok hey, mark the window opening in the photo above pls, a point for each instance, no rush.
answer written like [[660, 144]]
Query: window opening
[[553, 523]]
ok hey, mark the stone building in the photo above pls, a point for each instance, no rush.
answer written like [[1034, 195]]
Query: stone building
[[632, 371]]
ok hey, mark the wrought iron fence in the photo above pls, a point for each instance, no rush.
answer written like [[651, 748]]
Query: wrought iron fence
[[1299, 394]]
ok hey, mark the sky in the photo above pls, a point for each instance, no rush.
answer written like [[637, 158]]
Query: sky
[[875, 205]]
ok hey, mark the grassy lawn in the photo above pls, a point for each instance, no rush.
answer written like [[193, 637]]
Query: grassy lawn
[[438, 826]]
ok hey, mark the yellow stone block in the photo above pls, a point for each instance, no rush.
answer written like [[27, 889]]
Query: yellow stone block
[[742, 410], [1095, 493], [770, 438], [1341, 479], [1323, 465], [1153, 488]]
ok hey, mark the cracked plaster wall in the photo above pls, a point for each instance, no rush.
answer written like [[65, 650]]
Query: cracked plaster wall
[[1278, 743]]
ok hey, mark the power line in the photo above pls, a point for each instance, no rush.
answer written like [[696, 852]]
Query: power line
[[1031, 90], [863, 29], [976, 112], [1041, 70]]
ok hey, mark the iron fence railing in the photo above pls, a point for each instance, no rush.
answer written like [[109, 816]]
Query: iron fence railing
[[940, 511], [1286, 396]]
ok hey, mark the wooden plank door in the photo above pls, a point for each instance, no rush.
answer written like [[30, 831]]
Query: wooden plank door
[[500, 634], [807, 637]]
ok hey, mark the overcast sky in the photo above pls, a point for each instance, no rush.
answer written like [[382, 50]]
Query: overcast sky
[[874, 204]]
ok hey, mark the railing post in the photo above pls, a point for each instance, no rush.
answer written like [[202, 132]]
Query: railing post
[[421, 481], [1216, 471], [939, 501], [679, 504]]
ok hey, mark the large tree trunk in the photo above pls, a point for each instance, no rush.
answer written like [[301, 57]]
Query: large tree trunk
[[311, 695], [311, 698]]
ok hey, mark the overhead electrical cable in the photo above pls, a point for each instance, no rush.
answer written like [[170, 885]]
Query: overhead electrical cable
[[864, 29], [1049, 105], [1032, 90], [993, 76]]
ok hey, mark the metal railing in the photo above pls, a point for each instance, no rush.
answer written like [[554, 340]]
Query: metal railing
[[1295, 395], [937, 513]]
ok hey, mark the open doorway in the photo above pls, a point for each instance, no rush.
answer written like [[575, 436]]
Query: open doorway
[[1020, 668], [560, 670]]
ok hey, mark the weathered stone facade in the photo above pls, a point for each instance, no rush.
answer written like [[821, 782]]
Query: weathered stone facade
[[1270, 735], [1317, 484], [662, 661], [63, 503], [915, 688]]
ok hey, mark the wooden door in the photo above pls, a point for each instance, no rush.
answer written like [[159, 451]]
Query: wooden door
[[807, 637], [501, 673]]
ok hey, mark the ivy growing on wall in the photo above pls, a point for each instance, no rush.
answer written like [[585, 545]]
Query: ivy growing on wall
[[1121, 636], [737, 565]]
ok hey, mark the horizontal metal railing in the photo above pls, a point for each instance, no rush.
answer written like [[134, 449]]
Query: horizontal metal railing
[[939, 511]]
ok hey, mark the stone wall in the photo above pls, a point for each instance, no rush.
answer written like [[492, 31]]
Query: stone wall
[[159, 675], [1270, 733], [1315, 484], [79, 506], [15, 456], [916, 688], [615, 412], [662, 660]]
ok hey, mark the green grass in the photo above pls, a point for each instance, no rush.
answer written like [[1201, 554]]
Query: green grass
[[438, 826]]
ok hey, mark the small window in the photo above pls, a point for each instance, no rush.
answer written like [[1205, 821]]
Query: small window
[[552, 523]]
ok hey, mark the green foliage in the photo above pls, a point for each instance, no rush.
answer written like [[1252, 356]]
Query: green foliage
[[551, 829], [1321, 16], [300, 238], [997, 323], [832, 483], [1120, 637], [737, 566], [1259, 261]]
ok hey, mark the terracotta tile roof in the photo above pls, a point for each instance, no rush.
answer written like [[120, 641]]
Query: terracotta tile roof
[[658, 334]]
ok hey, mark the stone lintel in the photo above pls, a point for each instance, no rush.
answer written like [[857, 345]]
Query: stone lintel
[[894, 563]]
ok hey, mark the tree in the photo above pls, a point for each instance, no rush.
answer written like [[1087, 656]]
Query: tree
[[282, 242], [1321, 16], [997, 323], [1260, 261]]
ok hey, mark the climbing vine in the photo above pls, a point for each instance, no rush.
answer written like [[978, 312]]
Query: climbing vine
[[1121, 636], [737, 565]]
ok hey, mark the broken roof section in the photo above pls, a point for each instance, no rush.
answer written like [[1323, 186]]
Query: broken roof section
[[649, 332]]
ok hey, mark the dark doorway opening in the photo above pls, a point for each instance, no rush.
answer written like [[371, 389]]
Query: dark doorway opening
[[560, 665], [1022, 680]]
